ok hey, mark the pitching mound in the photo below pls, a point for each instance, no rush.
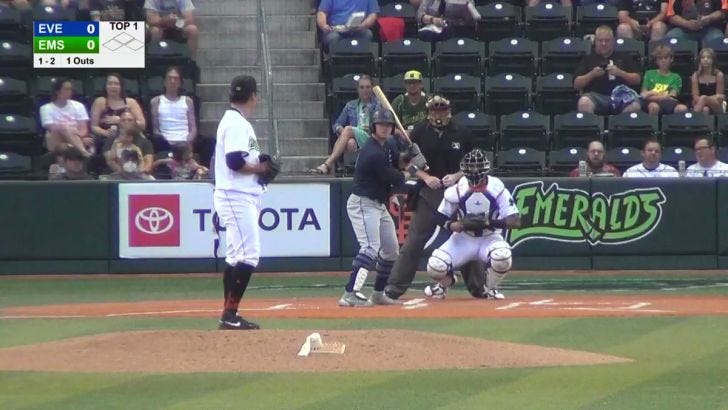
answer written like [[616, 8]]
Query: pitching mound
[[275, 351]]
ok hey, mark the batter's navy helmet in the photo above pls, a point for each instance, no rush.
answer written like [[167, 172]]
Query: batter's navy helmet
[[381, 116]]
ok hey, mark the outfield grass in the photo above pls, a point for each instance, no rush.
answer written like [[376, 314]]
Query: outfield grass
[[679, 362]]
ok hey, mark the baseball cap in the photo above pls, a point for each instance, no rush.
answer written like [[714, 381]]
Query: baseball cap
[[241, 87], [413, 75]]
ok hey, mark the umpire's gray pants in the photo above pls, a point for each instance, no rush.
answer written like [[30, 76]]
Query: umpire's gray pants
[[421, 228], [373, 227]]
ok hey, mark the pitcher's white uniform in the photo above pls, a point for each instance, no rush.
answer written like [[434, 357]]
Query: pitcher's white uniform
[[495, 203], [237, 196]]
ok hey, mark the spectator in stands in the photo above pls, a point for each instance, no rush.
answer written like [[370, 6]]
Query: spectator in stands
[[65, 121], [181, 165], [439, 20], [71, 168], [106, 110], [697, 21], [129, 169], [707, 84], [595, 164], [129, 138], [707, 165], [352, 125], [173, 115], [604, 78], [629, 25], [410, 107], [174, 20], [333, 19], [108, 10], [651, 166], [660, 87]]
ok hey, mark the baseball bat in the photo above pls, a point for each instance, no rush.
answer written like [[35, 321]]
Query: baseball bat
[[384, 102]]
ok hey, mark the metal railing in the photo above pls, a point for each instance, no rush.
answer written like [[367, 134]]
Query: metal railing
[[267, 72]]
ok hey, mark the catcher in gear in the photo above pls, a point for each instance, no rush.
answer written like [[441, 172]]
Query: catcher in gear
[[476, 210]]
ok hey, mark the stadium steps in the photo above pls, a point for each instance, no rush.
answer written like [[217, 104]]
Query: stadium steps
[[228, 47]]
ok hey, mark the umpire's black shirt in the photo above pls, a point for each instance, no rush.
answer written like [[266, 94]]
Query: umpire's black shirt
[[376, 170], [443, 148]]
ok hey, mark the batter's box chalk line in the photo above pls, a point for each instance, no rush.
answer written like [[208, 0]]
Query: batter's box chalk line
[[315, 344]]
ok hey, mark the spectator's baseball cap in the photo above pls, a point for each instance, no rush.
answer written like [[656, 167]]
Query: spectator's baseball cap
[[73, 154], [413, 75]]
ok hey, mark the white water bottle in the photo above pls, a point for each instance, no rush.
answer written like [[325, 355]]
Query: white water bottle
[[681, 168], [582, 168], [611, 76]]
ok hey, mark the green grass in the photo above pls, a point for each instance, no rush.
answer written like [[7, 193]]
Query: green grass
[[679, 362]]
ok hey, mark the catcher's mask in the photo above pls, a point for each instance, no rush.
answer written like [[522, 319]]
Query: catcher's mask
[[438, 111], [381, 116], [475, 166]]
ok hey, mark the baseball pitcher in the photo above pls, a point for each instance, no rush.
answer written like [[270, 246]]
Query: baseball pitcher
[[476, 210]]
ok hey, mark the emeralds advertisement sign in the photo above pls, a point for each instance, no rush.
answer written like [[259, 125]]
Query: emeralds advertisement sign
[[574, 215]]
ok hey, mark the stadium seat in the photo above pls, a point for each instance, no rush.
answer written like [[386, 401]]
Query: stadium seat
[[522, 161], [720, 46], [547, 21], [685, 51], [462, 90], [555, 94], [18, 134], [43, 84], [562, 161], [11, 25], [723, 155], [164, 53], [630, 129], [403, 55], [352, 56], [15, 59], [482, 127], [499, 20], [525, 129], [14, 97], [507, 93], [53, 13], [394, 86], [403, 10], [344, 89], [577, 129], [591, 16], [624, 157], [721, 137], [14, 166], [673, 155], [459, 56], [98, 84], [563, 54], [680, 129], [513, 55], [632, 47]]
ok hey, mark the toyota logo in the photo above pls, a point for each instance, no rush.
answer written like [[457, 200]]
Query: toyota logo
[[154, 220]]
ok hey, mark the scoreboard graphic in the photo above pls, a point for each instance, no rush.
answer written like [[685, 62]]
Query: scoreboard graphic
[[88, 44]]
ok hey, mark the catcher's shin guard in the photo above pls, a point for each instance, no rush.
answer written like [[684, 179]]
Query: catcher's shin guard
[[499, 263], [439, 267]]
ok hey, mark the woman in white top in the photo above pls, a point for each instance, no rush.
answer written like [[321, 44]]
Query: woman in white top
[[65, 121], [173, 115]]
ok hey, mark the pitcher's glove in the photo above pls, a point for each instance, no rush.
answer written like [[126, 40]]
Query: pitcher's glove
[[271, 169], [471, 223]]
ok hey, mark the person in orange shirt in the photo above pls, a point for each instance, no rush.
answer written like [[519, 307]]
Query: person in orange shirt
[[697, 20]]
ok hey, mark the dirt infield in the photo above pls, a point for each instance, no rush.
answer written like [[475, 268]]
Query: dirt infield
[[581, 305], [276, 351]]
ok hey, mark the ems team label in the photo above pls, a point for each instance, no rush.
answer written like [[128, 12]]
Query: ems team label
[[88, 44]]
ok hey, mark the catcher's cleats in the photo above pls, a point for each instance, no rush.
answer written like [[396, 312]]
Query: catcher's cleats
[[272, 169]]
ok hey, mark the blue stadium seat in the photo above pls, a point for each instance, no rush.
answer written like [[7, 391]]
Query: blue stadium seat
[[14, 166], [352, 56], [680, 129], [507, 93], [721, 137], [624, 157], [512, 55], [547, 21], [631, 129], [525, 129], [482, 127], [11, 25], [14, 97], [462, 90], [562, 161], [673, 155], [591, 16], [406, 54], [577, 129], [499, 20], [522, 161], [563, 54], [18, 134], [555, 94], [459, 56], [632, 47]]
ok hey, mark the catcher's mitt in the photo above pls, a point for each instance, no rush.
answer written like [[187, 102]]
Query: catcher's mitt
[[271, 171], [471, 223]]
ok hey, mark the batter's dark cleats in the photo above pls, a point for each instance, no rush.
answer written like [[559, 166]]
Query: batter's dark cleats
[[230, 322]]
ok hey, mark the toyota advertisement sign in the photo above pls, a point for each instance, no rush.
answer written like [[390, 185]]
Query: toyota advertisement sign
[[175, 220]]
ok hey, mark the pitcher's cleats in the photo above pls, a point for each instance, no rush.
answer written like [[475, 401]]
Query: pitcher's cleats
[[235, 322], [354, 299]]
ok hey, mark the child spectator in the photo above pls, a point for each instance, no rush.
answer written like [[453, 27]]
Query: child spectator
[[71, 168], [129, 138], [660, 86], [707, 84], [182, 166], [130, 169]]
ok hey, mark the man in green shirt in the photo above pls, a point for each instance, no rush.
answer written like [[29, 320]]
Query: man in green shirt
[[660, 87], [410, 106]]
